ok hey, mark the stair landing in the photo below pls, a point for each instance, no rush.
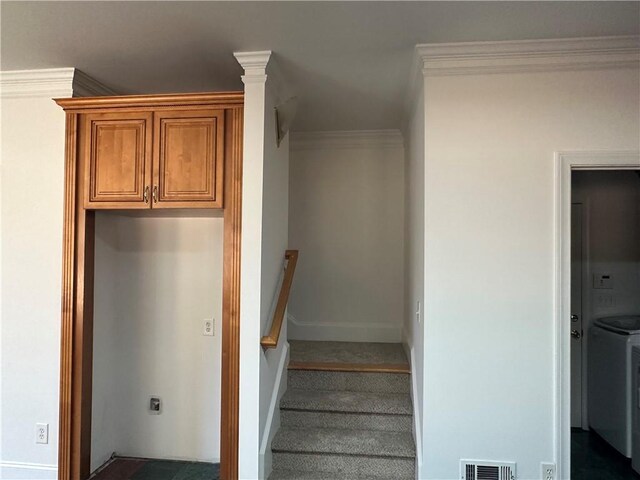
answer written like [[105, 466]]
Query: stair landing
[[348, 357]]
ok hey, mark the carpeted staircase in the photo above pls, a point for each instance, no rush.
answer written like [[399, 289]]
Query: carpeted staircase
[[346, 414]]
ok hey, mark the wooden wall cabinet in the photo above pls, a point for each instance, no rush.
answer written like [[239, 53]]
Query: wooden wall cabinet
[[153, 159], [187, 159], [136, 152], [117, 154]]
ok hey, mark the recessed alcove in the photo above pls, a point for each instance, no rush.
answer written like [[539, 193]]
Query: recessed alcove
[[157, 278]]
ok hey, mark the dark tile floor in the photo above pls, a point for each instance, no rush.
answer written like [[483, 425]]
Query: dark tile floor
[[124, 468], [594, 459]]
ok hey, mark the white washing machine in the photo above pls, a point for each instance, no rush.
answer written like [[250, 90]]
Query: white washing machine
[[611, 340], [635, 435]]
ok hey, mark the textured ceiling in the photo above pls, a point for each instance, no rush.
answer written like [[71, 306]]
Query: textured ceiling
[[347, 61]]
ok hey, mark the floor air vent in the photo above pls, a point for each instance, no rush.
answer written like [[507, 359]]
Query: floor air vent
[[482, 470]]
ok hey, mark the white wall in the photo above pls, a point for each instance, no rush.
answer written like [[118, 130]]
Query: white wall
[[109, 379], [157, 279], [347, 220], [489, 256], [413, 324], [32, 204], [275, 230]]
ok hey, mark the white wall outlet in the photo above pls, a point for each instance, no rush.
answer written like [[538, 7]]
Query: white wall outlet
[[548, 471], [208, 327], [42, 433], [418, 311]]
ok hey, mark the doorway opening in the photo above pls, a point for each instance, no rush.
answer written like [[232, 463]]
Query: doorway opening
[[605, 320], [598, 205]]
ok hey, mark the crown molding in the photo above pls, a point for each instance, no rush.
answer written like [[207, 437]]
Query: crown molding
[[50, 82], [86, 86], [344, 140], [470, 58]]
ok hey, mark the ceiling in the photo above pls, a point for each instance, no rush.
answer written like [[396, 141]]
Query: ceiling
[[348, 62]]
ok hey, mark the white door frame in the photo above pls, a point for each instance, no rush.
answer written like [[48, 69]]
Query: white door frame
[[565, 162]]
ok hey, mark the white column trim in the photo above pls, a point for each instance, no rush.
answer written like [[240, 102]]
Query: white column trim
[[254, 78], [565, 162], [254, 64]]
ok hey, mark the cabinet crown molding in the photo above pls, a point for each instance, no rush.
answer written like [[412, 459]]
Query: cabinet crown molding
[[187, 100], [50, 82], [585, 53]]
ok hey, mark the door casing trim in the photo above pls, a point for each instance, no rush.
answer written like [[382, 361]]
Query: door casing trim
[[565, 163]]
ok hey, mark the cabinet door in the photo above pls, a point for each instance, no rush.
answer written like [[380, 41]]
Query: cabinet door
[[117, 150], [188, 159]]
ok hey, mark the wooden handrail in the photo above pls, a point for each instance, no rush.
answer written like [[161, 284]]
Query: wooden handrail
[[271, 340]]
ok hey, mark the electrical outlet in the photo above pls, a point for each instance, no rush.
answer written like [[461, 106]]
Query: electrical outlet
[[548, 471], [209, 327], [418, 311], [42, 433], [605, 300], [155, 406]]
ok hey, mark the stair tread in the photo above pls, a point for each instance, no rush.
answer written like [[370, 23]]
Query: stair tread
[[344, 441], [347, 401], [346, 352], [353, 420], [302, 475], [352, 381]]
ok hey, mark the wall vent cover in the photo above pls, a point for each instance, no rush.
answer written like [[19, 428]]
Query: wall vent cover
[[487, 470]]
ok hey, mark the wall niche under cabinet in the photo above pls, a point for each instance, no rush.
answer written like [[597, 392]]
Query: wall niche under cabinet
[[158, 276]]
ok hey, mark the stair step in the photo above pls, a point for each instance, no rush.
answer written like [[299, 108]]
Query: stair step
[[343, 441], [352, 367], [351, 381], [347, 352], [347, 401], [346, 466], [346, 415], [358, 421], [301, 475]]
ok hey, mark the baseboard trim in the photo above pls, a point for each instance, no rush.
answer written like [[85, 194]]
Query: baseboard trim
[[417, 430], [344, 332], [273, 417], [27, 471], [31, 466]]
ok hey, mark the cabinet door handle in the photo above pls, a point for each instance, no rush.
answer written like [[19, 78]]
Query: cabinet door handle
[[155, 194], [146, 194]]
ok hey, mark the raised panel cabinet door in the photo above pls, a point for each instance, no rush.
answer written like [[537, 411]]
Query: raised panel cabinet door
[[188, 159], [117, 149]]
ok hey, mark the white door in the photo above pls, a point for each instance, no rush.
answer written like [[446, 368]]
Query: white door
[[576, 315]]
